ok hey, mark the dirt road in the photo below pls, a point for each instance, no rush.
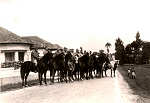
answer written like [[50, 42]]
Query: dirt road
[[104, 90]]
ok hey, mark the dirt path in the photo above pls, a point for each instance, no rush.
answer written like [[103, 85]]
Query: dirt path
[[105, 90]]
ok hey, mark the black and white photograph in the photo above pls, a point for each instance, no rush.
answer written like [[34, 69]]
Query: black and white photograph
[[74, 51]]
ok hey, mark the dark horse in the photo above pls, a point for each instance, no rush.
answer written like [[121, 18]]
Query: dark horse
[[100, 61], [26, 68], [84, 66], [69, 66], [59, 66], [91, 65], [43, 65]]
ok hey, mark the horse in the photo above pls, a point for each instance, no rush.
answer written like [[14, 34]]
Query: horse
[[91, 65], [84, 66], [112, 65], [59, 66], [101, 59], [26, 68], [69, 66], [43, 66]]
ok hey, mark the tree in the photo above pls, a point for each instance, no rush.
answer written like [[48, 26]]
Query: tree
[[128, 49], [128, 54], [136, 45], [108, 45], [119, 47]]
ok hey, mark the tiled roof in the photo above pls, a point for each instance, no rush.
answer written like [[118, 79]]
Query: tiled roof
[[9, 37], [39, 42]]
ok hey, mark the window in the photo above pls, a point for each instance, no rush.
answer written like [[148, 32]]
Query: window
[[21, 56], [9, 56]]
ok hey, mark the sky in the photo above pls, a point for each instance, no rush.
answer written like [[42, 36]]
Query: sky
[[74, 23]]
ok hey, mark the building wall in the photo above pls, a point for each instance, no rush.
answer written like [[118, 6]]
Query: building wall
[[15, 48]]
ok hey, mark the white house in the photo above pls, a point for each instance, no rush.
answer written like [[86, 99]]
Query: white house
[[12, 48]]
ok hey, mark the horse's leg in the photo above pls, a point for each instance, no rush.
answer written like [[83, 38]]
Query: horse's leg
[[96, 71], [26, 76], [77, 74], [72, 75], [45, 77], [102, 73], [65, 75], [105, 73], [114, 72], [80, 74], [91, 73], [79, 70], [111, 71], [58, 74], [87, 74], [69, 76], [52, 75], [62, 75], [40, 78], [22, 78]]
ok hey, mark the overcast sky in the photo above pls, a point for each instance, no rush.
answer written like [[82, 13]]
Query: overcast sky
[[75, 23]]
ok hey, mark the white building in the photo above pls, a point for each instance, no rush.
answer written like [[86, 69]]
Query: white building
[[12, 49]]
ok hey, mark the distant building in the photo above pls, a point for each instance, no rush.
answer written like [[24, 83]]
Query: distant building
[[12, 48]]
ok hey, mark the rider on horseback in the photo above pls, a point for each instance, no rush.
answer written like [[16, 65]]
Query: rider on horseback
[[35, 56]]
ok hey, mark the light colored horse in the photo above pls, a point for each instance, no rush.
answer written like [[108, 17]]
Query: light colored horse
[[107, 66]]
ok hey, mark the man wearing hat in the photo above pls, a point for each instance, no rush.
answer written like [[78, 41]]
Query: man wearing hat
[[35, 55]]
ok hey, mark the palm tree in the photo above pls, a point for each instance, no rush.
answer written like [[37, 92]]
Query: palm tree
[[108, 45]]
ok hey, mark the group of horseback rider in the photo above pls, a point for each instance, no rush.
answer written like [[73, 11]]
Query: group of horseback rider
[[70, 65]]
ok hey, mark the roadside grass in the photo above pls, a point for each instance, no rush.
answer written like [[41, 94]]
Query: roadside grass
[[140, 85]]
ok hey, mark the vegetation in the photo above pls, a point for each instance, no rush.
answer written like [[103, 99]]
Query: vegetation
[[132, 53], [119, 47]]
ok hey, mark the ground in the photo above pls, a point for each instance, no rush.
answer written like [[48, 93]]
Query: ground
[[140, 85], [105, 90]]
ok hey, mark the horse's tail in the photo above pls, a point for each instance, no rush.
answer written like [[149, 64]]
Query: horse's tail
[[22, 71]]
